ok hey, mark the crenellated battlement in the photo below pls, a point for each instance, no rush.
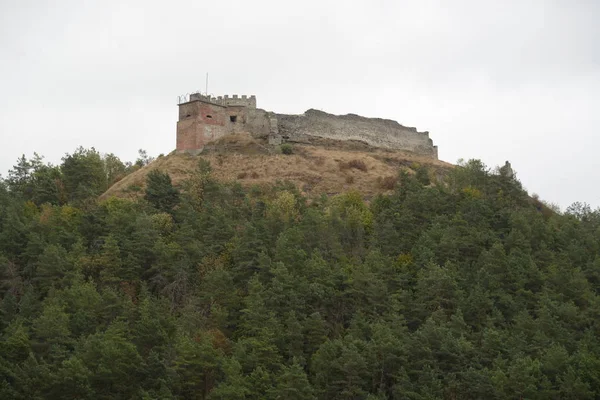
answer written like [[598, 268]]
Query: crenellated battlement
[[234, 100]]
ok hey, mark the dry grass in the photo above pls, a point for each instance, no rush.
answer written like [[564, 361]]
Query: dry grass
[[387, 183], [314, 169], [356, 164]]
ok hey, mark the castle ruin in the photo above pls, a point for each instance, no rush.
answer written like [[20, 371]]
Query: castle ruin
[[203, 119]]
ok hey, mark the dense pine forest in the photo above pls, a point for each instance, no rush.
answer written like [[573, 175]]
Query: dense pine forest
[[463, 289]]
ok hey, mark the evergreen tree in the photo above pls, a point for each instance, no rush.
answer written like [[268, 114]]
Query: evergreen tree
[[293, 384], [83, 174], [160, 191], [465, 289]]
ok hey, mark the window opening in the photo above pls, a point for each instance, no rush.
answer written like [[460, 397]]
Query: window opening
[[233, 118]]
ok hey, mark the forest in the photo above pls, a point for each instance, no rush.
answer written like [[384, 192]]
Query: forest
[[462, 288]]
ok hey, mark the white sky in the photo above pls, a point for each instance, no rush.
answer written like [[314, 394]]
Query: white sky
[[495, 80]]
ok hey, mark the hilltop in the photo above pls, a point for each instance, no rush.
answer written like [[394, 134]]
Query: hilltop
[[320, 166]]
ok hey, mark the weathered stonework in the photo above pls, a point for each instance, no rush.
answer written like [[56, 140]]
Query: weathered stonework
[[203, 119], [383, 133]]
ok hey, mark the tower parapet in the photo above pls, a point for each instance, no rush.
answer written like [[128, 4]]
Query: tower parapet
[[227, 101], [235, 100]]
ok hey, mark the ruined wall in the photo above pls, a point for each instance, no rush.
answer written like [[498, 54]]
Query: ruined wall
[[373, 131], [257, 122], [204, 119]]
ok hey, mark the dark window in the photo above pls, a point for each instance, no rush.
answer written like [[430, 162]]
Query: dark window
[[233, 118], [208, 116]]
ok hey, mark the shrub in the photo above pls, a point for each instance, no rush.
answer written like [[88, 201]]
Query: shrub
[[388, 182], [349, 179], [472, 192], [286, 148], [422, 175], [356, 164], [242, 175], [134, 187], [253, 175]]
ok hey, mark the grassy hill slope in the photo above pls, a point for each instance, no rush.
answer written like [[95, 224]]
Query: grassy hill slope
[[322, 167]]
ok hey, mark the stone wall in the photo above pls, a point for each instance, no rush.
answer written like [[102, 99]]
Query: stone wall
[[257, 122], [235, 100], [244, 101], [375, 132], [204, 119]]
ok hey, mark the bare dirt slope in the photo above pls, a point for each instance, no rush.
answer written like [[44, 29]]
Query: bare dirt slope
[[325, 167]]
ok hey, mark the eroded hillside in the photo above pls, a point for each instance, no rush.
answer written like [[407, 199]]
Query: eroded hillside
[[319, 167]]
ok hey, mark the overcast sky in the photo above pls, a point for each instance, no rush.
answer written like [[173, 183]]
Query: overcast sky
[[495, 80]]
